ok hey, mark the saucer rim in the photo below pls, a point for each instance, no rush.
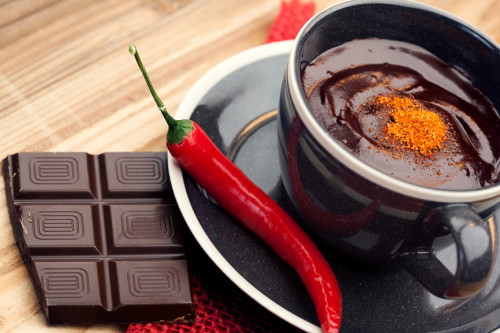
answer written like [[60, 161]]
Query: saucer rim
[[184, 111]]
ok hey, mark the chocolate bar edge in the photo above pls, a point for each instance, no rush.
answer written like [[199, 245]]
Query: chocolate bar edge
[[18, 230]]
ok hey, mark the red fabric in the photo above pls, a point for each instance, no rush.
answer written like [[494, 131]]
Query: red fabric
[[219, 305], [221, 308], [293, 15]]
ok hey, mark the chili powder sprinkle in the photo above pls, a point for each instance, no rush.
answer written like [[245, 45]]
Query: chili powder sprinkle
[[412, 124]]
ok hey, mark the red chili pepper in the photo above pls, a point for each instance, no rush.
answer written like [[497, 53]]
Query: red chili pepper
[[238, 195]]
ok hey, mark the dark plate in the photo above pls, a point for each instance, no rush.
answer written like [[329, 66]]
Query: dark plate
[[375, 299]]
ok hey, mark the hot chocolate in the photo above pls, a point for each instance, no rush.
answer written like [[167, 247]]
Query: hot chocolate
[[400, 109]]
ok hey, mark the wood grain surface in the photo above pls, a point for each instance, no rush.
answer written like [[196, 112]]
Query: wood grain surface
[[68, 83]]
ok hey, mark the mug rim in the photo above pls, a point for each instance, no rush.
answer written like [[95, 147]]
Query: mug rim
[[319, 133]]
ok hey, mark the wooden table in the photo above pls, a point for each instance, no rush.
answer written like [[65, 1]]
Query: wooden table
[[68, 83]]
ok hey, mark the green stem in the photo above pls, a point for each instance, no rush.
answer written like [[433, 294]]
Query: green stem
[[177, 129], [170, 120]]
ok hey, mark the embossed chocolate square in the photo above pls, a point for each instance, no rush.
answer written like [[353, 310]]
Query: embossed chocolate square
[[100, 235]]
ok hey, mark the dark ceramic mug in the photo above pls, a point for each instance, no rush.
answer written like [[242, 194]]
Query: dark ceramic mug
[[360, 210]]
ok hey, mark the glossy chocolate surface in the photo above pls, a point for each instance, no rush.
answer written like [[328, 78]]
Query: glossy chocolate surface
[[100, 235], [343, 83]]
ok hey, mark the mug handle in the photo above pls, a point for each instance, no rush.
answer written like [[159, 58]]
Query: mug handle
[[475, 254]]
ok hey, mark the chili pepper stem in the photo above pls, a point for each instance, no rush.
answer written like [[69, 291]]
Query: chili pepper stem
[[177, 129]]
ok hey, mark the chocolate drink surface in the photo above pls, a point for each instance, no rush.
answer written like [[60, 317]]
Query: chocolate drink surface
[[400, 109]]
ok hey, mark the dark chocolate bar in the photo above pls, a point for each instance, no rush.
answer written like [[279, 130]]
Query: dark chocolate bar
[[100, 235]]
